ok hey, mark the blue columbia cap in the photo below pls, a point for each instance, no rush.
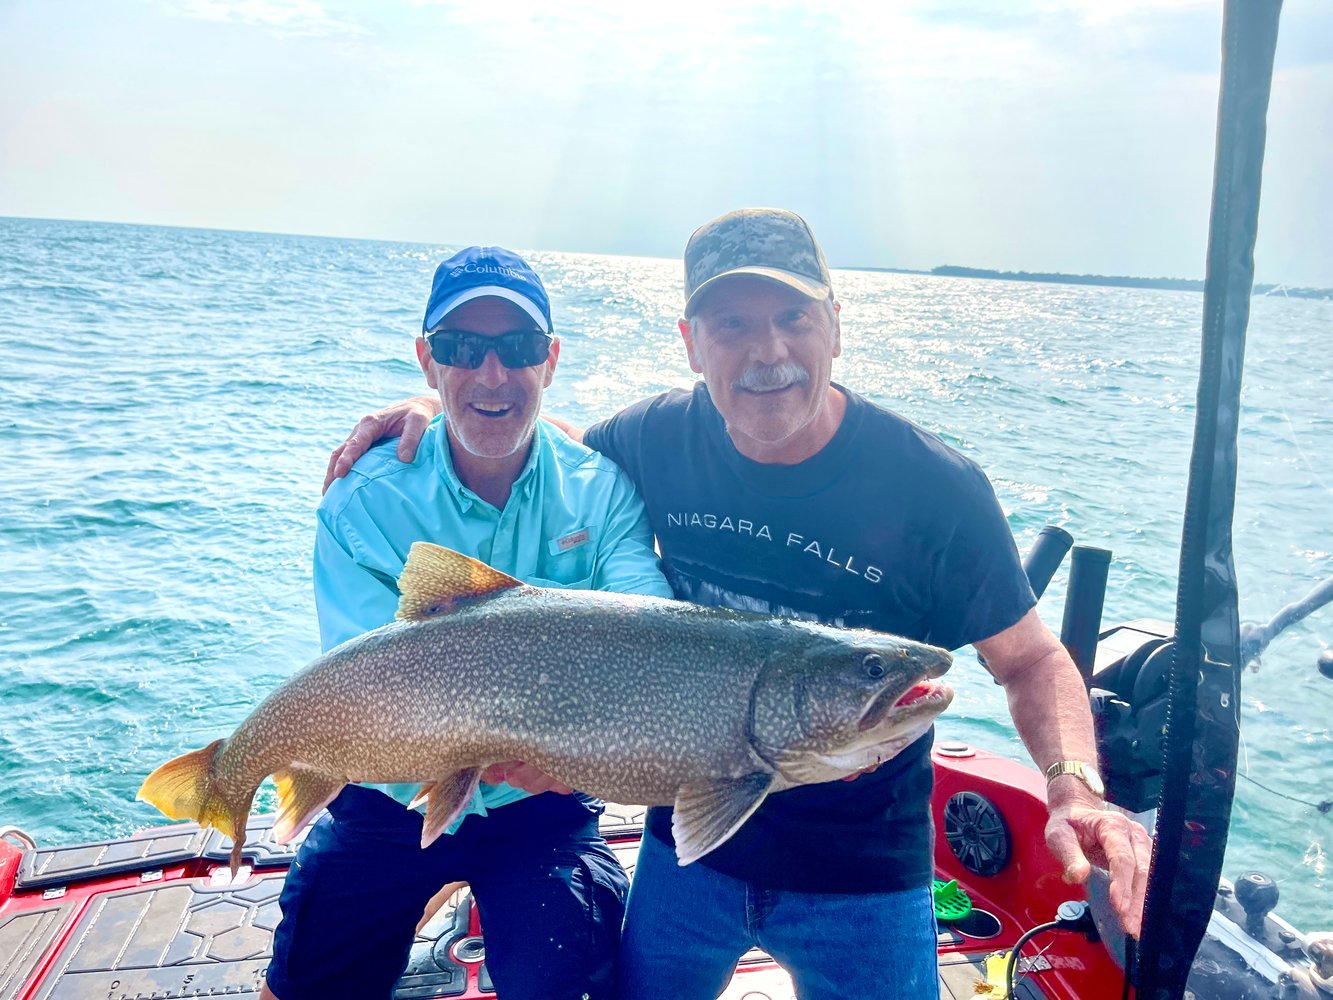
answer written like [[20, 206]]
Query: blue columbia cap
[[480, 271]]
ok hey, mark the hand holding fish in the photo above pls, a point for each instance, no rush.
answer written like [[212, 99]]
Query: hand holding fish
[[865, 770], [524, 776], [1081, 835]]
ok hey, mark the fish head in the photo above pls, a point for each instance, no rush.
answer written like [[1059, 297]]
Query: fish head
[[836, 701]]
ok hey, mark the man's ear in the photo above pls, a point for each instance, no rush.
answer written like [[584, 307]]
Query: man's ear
[[693, 353], [837, 328], [425, 360]]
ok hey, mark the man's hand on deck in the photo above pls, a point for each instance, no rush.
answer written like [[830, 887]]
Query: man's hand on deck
[[406, 420], [523, 776], [1081, 835]]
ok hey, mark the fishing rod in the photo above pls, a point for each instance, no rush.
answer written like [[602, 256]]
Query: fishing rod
[[1203, 708]]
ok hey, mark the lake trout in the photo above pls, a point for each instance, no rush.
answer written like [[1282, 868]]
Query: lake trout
[[634, 699]]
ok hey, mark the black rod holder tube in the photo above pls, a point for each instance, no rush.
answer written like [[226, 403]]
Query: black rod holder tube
[[1045, 556], [1082, 626]]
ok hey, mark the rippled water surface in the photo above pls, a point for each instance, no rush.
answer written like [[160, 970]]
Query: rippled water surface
[[170, 397]]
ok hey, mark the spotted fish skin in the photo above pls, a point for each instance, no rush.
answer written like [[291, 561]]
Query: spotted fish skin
[[631, 698]]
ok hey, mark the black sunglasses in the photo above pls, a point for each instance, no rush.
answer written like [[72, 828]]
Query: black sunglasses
[[465, 349]]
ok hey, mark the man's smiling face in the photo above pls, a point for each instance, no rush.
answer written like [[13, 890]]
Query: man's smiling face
[[766, 352], [491, 410]]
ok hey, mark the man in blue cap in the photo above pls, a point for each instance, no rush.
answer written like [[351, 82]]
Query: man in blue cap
[[492, 481]]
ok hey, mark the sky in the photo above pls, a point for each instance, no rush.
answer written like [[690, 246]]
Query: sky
[[1039, 135]]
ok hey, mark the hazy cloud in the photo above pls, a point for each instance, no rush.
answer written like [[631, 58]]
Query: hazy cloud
[[1034, 135], [285, 17]]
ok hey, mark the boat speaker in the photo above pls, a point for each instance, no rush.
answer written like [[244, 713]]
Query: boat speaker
[[977, 833]]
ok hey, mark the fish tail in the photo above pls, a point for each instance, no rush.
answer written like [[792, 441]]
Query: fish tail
[[185, 788]]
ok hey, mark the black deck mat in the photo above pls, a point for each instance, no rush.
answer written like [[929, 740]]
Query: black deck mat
[[47, 867], [24, 939], [182, 939], [189, 939]]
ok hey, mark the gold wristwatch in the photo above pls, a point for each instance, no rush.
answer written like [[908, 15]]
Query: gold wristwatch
[[1085, 773]]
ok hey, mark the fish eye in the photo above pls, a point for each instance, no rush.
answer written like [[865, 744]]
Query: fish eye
[[874, 665]]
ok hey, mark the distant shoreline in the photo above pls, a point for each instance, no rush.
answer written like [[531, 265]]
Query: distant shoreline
[[944, 270], [1116, 281]]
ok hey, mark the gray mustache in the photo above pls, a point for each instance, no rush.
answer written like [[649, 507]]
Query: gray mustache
[[766, 378]]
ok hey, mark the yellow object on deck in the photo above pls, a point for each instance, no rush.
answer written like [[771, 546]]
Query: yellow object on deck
[[994, 984]]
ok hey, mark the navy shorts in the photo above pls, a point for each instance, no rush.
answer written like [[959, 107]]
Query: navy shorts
[[551, 897]]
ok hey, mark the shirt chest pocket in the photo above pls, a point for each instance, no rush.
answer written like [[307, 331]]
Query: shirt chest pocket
[[568, 562]]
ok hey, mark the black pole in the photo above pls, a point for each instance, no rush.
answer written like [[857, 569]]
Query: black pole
[[1045, 556], [1082, 625], [1199, 766]]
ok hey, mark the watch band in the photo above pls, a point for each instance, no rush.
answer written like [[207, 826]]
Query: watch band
[[1085, 773]]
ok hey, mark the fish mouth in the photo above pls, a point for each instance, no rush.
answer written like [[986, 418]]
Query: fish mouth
[[926, 697]]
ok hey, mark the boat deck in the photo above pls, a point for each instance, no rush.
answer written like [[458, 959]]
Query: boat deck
[[158, 916]]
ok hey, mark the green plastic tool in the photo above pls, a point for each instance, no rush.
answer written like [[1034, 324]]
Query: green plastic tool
[[951, 902]]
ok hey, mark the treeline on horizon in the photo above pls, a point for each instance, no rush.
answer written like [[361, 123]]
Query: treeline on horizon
[[1173, 284]]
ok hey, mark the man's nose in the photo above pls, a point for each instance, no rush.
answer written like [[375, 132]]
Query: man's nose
[[492, 374], [769, 344]]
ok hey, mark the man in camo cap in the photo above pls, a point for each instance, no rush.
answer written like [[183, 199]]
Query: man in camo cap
[[770, 488], [750, 241]]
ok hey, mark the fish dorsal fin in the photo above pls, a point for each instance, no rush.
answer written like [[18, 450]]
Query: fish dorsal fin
[[437, 580], [706, 815], [445, 801]]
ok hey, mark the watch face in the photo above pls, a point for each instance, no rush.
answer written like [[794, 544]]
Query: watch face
[[1084, 772], [1093, 779]]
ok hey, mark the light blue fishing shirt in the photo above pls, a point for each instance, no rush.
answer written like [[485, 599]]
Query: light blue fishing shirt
[[573, 520]]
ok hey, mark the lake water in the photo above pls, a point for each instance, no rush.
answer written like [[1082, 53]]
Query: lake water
[[169, 398]]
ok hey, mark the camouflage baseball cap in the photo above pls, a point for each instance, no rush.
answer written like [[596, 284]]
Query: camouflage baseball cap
[[770, 242]]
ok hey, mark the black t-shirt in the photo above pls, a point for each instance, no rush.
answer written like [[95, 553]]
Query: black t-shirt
[[885, 528]]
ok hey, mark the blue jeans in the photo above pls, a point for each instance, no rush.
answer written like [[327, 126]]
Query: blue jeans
[[685, 928]]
